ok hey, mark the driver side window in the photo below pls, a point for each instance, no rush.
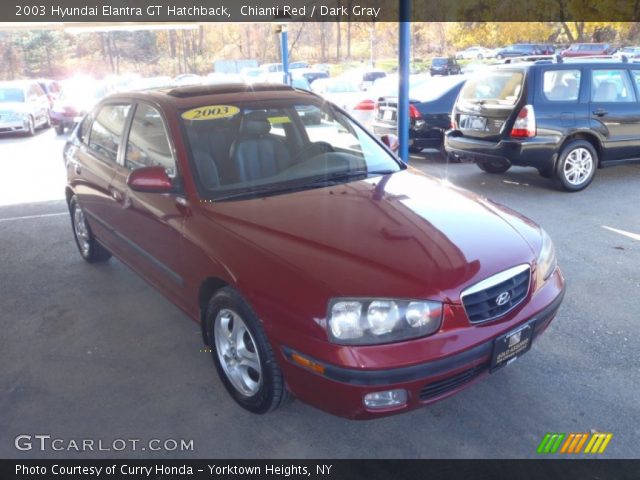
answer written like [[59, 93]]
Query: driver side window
[[148, 144]]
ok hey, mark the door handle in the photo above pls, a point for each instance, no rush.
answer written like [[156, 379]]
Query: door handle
[[600, 112]]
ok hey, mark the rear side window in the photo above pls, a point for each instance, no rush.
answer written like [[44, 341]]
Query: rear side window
[[106, 131], [497, 87], [636, 78], [612, 86], [148, 143], [561, 85]]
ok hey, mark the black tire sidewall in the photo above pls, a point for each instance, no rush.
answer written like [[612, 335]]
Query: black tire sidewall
[[559, 171], [73, 204], [489, 167], [269, 395]]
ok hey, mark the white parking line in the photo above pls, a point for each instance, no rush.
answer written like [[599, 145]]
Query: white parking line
[[29, 217], [634, 236]]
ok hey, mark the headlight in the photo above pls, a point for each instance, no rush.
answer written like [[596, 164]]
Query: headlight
[[546, 263], [368, 321]]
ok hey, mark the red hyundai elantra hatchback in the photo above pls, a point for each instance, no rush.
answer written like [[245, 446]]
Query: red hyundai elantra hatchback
[[317, 263]]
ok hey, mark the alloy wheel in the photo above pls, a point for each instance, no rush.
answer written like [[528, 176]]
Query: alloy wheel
[[578, 166], [237, 352], [81, 231]]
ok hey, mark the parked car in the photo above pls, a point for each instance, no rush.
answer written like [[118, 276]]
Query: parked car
[[518, 50], [475, 53], [308, 74], [346, 95], [546, 49], [272, 67], [587, 49], [364, 78], [629, 52], [269, 234], [75, 101], [365, 110], [51, 88], [24, 107], [429, 113], [444, 66], [565, 119], [251, 74]]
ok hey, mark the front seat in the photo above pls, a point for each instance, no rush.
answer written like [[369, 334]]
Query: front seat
[[255, 153], [606, 92]]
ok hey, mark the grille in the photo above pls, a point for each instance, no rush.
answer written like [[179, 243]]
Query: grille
[[441, 387], [496, 295]]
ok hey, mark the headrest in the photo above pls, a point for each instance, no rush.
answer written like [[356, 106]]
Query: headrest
[[255, 124]]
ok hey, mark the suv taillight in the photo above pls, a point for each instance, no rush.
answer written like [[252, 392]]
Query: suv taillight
[[525, 124], [414, 113]]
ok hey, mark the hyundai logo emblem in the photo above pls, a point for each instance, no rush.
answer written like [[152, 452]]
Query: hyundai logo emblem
[[503, 298]]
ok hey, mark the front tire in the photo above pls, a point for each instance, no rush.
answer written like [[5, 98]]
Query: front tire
[[88, 246], [493, 166], [242, 354], [577, 165]]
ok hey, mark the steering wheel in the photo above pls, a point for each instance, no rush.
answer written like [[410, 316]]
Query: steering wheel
[[313, 149]]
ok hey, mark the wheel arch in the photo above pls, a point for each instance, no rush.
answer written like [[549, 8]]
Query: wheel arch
[[208, 288], [588, 137]]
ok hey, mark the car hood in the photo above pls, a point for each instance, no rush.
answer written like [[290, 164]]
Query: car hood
[[402, 235]]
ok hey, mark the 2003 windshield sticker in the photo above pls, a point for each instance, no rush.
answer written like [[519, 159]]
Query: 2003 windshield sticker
[[211, 112]]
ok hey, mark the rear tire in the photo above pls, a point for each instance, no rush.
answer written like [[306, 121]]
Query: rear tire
[[576, 165], [493, 166], [87, 244], [413, 149], [242, 354]]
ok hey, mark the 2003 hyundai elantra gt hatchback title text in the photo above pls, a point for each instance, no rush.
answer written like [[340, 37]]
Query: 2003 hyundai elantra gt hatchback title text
[[317, 263]]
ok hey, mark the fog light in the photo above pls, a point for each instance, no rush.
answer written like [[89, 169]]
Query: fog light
[[390, 398]]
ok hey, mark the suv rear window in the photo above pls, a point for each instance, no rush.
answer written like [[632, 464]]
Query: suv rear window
[[500, 87], [561, 85]]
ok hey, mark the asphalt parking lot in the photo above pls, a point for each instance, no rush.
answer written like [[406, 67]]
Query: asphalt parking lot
[[92, 352]]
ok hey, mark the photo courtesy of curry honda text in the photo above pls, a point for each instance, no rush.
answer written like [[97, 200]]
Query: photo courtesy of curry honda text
[[318, 264]]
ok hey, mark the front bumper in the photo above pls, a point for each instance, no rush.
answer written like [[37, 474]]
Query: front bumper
[[13, 126], [340, 390]]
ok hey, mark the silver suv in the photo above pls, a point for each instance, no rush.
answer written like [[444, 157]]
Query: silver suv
[[23, 107]]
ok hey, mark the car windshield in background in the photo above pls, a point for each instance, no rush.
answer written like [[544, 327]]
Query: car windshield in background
[[497, 87], [246, 150], [439, 61], [11, 95]]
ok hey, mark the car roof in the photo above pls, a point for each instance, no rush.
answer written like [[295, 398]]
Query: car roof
[[198, 95]]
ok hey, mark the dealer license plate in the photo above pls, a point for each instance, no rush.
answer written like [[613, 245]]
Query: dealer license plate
[[511, 345]]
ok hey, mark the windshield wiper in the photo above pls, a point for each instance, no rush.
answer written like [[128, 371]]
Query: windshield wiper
[[340, 177], [317, 181]]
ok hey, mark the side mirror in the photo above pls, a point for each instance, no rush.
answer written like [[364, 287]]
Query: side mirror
[[391, 141], [150, 180]]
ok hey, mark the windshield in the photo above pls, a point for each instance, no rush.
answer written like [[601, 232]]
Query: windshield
[[11, 94], [248, 150], [497, 87], [439, 61]]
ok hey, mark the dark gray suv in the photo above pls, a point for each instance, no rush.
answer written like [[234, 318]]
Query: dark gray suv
[[566, 119]]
